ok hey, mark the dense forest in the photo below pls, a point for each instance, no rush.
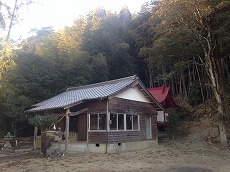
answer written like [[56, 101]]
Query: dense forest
[[181, 44]]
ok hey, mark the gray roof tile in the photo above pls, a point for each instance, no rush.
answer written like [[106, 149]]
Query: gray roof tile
[[76, 95]]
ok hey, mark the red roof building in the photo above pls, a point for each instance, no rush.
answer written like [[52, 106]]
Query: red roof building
[[163, 96]]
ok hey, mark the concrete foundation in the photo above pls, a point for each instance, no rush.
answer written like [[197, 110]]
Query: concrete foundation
[[102, 148]]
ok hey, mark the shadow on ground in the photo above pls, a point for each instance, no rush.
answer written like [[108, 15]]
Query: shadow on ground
[[188, 169]]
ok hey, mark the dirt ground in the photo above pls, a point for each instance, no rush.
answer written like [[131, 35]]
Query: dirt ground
[[173, 156]]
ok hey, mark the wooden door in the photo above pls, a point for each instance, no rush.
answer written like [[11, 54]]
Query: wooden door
[[82, 127]]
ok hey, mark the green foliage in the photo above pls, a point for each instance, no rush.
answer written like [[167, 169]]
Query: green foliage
[[194, 94], [32, 76], [141, 30], [174, 119], [121, 63], [173, 122], [42, 122], [100, 68], [3, 120], [15, 106]]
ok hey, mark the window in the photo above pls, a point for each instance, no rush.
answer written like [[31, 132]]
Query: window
[[113, 121], [102, 121], [97, 121], [116, 121], [121, 125], [124, 122], [93, 121], [129, 122], [135, 122], [132, 122]]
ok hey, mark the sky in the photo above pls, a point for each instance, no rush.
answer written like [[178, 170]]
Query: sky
[[60, 13]]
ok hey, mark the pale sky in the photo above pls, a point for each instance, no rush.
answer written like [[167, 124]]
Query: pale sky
[[59, 13]]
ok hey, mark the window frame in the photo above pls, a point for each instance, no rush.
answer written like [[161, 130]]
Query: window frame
[[125, 122], [98, 122]]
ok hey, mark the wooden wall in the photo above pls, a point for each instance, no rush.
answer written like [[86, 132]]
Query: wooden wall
[[118, 105], [94, 106]]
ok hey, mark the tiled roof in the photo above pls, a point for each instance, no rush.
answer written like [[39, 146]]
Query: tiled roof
[[76, 95]]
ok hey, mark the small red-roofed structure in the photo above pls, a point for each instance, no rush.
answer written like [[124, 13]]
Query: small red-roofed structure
[[164, 97]]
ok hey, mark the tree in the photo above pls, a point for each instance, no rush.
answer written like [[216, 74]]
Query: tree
[[121, 63], [8, 14], [100, 68], [173, 122], [2, 15], [32, 76], [6, 65], [198, 17], [142, 34], [43, 123], [125, 16], [14, 108], [11, 20]]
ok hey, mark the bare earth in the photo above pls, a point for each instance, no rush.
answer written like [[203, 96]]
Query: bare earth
[[168, 157]]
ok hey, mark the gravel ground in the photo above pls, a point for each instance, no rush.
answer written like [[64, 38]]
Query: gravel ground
[[173, 156]]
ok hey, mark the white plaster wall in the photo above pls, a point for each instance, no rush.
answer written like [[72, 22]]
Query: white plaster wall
[[133, 94], [160, 116]]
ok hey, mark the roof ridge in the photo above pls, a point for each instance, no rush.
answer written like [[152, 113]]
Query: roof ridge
[[134, 77]]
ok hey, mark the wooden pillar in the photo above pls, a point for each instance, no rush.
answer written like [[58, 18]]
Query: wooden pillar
[[67, 130], [107, 125], [87, 130], [35, 137]]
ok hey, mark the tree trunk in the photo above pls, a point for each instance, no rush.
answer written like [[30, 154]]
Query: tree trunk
[[185, 94], [190, 77], [11, 21], [151, 81], [193, 69], [215, 78], [14, 127], [176, 85], [180, 86], [201, 89], [43, 143], [218, 97], [223, 137], [172, 87], [227, 69]]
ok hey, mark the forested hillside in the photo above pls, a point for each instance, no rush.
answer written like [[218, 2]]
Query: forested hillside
[[181, 44]]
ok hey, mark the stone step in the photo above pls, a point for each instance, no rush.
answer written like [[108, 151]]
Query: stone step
[[163, 139]]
